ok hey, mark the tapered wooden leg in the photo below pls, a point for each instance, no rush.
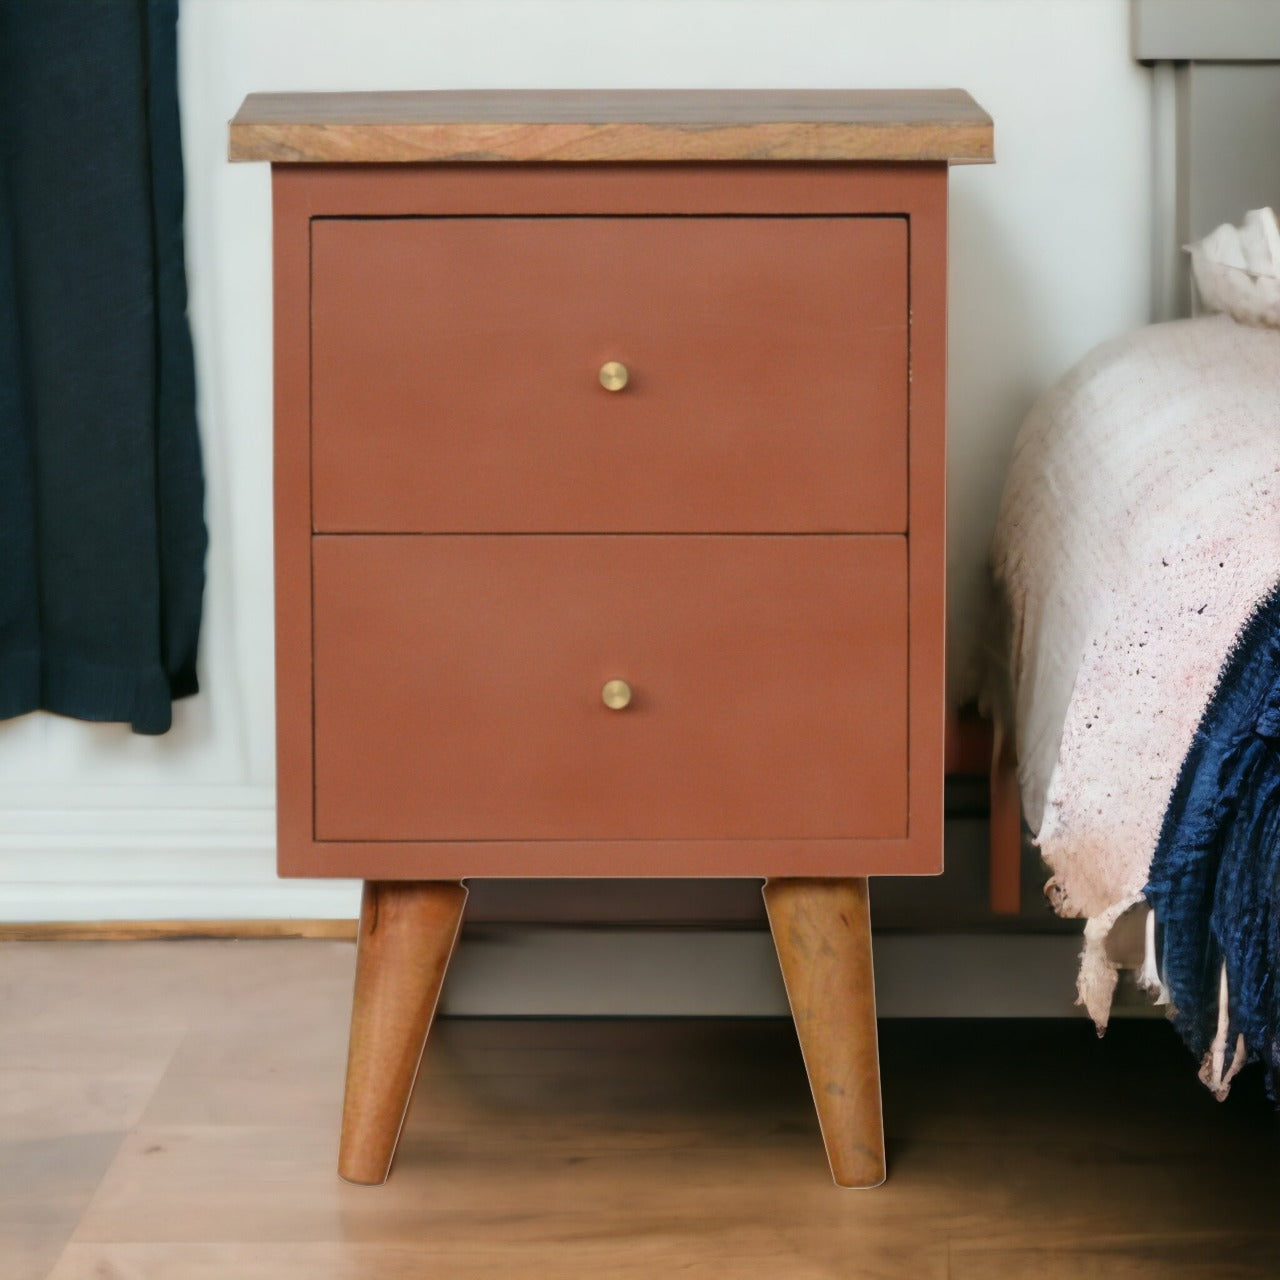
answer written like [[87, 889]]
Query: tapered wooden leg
[[822, 930], [407, 934]]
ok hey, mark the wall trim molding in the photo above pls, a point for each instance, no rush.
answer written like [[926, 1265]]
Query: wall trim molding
[[175, 930], [541, 971], [92, 860], [181, 867], [143, 799]]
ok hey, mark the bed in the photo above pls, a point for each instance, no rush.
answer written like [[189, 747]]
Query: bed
[[1137, 566], [1137, 554]]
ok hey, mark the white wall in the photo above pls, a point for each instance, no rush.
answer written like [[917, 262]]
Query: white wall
[[1049, 256]]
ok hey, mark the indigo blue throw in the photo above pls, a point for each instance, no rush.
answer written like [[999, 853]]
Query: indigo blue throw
[[1215, 876]]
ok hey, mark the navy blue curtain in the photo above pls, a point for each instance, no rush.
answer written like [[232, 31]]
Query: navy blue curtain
[[102, 535]]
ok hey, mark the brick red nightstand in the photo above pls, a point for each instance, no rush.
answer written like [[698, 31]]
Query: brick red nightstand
[[610, 507]]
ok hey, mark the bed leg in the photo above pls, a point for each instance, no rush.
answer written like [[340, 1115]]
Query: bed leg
[[1005, 847]]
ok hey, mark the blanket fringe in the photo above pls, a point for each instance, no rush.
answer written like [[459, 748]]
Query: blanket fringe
[[1212, 1073], [1149, 978], [1096, 981]]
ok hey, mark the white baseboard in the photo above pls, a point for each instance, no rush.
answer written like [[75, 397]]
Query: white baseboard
[[214, 858]]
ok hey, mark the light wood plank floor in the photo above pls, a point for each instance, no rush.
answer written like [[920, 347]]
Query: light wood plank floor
[[169, 1111]]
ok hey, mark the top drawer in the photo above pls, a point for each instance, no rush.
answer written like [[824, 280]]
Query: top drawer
[[456, 374]]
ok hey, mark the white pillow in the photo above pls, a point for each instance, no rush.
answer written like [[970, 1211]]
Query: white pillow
[[1237, 269]]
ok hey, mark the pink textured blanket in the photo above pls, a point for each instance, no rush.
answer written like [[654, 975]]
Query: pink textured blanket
[[1139, 528]]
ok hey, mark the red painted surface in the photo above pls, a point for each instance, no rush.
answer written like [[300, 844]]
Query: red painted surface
[[458, 688], [858, 832], [455, 374]]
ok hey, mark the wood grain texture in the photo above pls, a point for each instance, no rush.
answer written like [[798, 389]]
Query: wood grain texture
[[594, 1147], [616, 125], [171, 930], [822, 932], [407, 935]]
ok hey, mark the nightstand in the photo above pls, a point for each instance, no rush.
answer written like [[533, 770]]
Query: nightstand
[[610, 477]]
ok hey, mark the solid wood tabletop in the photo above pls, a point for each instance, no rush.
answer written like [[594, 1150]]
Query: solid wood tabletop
[[627, 125]]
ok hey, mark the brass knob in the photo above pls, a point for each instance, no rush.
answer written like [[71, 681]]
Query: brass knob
[[616, 694], [613, 375]]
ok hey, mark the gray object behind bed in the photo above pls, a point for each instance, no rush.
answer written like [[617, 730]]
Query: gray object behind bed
[[1216, 123]]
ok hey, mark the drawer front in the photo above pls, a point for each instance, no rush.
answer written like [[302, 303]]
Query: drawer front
[[456, 361], [458, 687]]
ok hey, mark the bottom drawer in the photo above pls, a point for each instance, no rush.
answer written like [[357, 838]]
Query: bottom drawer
[[458, 685]]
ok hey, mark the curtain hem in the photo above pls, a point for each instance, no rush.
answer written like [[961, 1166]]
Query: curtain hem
[[71, 685]]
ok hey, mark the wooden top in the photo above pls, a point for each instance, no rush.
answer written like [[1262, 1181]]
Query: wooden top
[[612, 125]]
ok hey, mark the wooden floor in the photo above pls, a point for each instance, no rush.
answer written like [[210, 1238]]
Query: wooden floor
[[169, 1111]]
